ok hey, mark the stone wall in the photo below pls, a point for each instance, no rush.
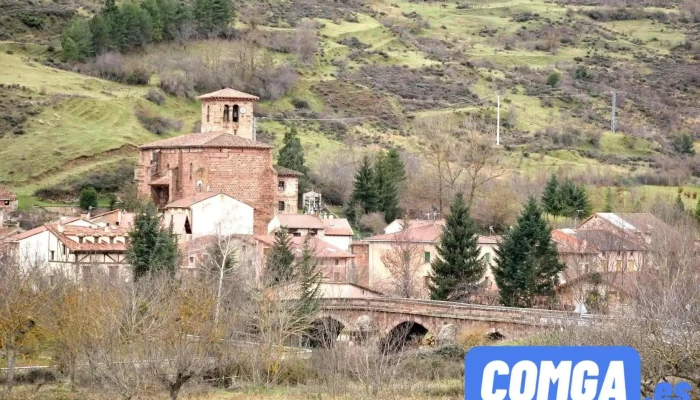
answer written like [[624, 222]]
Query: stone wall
[[289, 195], [244, 174], [213, 117]]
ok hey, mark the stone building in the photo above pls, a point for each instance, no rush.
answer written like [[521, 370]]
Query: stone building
[[223, 158], [8, 201]]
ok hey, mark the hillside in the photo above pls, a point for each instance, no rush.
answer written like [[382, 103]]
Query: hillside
[[380, 66]]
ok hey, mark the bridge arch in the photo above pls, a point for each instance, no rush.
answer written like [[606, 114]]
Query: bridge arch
[[324, 332], [402, 335]]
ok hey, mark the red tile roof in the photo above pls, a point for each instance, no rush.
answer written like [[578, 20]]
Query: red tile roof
[[228, 93], [322, 249], [337, 227], [300, 221], [63, 233], [5, 194], [202, 243], [424, 234], [28, 233], [206, 139], [283, 171]]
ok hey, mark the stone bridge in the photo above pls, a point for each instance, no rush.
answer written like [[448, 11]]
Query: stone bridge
[[386, 317]]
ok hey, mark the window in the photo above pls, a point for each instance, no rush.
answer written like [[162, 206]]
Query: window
[[226, 113], [295, 232], [188, 228], [313, 232], [337, 262], [7, 202], [80, 239], [208, 109], [64, 249], [235, 113], [280, 205], [280, 185], [630, 265], [52, 254], [190, 171], [618, 265], [427, 256], [487, 258], [191, 260]]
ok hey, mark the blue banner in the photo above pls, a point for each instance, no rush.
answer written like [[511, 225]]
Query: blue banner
[[552, 373]]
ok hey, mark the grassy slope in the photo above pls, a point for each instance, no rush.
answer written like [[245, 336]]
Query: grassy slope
[[94, 124]]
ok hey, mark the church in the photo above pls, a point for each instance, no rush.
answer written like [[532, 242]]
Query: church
[[224, 158]]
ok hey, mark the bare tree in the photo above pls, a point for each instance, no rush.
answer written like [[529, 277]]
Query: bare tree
[[403, 261], [23, 290], [306, 42]]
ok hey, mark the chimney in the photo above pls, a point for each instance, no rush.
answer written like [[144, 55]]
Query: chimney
[[647, 237], [59, 227]]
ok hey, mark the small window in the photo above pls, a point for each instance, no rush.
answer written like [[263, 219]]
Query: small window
[[313, 232], [296, 233], [208, 109], [226, 113], [280, 185], [427, 256], [487, 258], [280, 205], [64, 249], [7, 202], [631, 266], [191, 260], [53, 253], [188, 227], [190, 171], [80, 239], [337, 262]]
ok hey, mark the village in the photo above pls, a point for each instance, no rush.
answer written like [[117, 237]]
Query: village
[[221, 184]]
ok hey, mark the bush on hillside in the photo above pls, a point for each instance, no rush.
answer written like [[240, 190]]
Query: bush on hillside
[[88, 198], [155, 123], [155, 96], [553, 79], [112, 66]]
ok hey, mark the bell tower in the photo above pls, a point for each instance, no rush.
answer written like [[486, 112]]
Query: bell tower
[[228, 111]]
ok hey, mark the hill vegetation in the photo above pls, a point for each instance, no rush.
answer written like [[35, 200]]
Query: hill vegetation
[[360, 75]]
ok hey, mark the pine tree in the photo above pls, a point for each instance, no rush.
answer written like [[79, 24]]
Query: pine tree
[[280, 260], [222, 14], [365, 195], [76, 43], [203, 17], [309, 277], [527, 265], [385, 177], [134, 28], [574, 200], [395, 166], [153, 9], [101, 30], [151, 247], [459, 262], [550, 197], [609, 201]]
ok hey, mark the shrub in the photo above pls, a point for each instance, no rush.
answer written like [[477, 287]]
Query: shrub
[[683, 144], [32, 21], [300, 103], [177, 84], [553, 79], [155, 123], [137, 75], [373, 222], [155, 96], [88, 198], [473, 337]]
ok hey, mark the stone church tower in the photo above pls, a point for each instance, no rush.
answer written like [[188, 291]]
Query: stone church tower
[[223, 158]]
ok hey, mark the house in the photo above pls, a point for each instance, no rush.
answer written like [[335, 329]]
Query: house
[[338, 232], [209, 213], [75, 247], [421, 240], [8, 201], [223, 158], [644, 227], [399, 224], [114, 219], [196, 253], [335, 263]]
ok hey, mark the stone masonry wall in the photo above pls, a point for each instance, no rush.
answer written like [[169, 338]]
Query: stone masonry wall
[[213, 117], [244, 174]]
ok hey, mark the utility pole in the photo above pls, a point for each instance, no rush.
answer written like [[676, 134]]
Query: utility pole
[[614, 105], [498, 120]]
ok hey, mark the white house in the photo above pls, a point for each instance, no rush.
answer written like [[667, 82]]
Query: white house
[[337, 231], [209, 213], [398, 225], [73, 246]]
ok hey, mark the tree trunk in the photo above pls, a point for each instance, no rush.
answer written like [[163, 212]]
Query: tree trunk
[[175, 390], [10, 354], [71, 368]]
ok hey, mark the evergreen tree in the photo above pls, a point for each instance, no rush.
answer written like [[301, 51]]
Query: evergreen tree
[[153, 9], [203, 17], [309, 277], [459, 262], [527, 265], [222, 12], [365, 195], [550, 197], [395, 166], [280, 260], [574, 200], [76, 43], [88, 198], [151, 247], [292, 153], [609, 201], [133, 28], [386, 182], [101, 29]]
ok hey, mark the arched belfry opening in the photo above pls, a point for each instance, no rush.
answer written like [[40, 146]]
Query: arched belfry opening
[[235, 113], [226, 113]]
